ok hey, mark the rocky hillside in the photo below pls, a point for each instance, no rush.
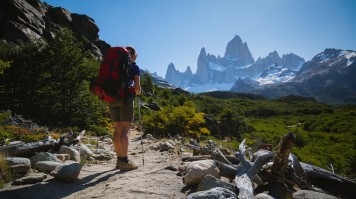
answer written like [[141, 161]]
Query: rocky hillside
[[25, 20]]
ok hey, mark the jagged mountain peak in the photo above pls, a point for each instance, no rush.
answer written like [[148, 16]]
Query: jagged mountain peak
[[238, 53], [171, 66], [188, 71], [202, 52], [330, 60]]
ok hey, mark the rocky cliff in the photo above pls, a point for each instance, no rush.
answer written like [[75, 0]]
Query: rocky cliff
[[25, 20]]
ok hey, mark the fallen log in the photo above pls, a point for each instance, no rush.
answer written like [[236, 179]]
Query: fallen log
[[249, 170], [31, 148], [196, 158], [28, 149], [280, 159], [330, 182]]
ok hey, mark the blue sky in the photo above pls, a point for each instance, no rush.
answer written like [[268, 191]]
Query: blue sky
[[165, 31]]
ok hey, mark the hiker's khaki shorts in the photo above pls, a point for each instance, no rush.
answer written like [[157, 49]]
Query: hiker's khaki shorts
[[121, 111]]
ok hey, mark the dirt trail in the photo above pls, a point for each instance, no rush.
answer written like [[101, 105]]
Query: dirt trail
[[100, 180]]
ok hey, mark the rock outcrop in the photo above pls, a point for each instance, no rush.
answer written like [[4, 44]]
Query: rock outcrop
[[26, 20]]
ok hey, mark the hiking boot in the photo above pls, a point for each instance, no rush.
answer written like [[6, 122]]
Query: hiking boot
[[126, 166]]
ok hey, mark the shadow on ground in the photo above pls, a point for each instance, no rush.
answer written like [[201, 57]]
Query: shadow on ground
[[56, 189]]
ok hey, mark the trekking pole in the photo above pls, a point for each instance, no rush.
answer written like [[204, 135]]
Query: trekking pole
[[140, 123]]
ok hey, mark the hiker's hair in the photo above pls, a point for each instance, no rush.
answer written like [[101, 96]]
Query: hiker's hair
[[131, 49]]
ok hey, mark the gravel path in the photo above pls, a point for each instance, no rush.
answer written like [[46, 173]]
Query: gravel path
[[100, 180]]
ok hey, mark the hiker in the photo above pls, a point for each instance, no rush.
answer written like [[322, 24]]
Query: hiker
[[121, 112]]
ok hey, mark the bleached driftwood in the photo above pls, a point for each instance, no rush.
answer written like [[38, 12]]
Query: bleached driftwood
[[248, 172], [29, 149]]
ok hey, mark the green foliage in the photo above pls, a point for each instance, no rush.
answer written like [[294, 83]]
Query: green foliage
[[4, 65], [146, 83], [48, 82], [5, 171], [324, 134], [181, 120]]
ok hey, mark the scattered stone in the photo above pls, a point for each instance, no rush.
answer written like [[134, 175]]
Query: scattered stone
[[19, 165], [171, 168], [186, 155], [306, 194], [62, 157], [149, 137], [217, 192], [166, 146], [102, 154], [47, 166], [156, 146], [67, 172], [209, 182], [32, 178], [106, 139], [85, 151], [44, 156], [263, 196], [197, 170], [73, 153]]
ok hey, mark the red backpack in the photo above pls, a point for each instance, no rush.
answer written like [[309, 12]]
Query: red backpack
[[112, 82]]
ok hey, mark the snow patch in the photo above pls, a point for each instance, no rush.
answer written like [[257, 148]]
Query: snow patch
[[348, 55], [216, 67], [198, 88]]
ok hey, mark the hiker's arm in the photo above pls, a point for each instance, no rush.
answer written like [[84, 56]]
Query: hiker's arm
[[137, 84]]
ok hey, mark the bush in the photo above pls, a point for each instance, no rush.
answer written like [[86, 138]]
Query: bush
[[181, 120], [5, 171]]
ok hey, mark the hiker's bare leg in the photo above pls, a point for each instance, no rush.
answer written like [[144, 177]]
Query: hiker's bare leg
[[124, 138], [116, 138]]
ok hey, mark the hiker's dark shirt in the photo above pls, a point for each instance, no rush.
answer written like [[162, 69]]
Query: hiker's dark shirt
[[135, 70]]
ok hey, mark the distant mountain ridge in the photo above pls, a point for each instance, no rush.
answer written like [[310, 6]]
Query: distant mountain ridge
[[329, 77], [237, 63]]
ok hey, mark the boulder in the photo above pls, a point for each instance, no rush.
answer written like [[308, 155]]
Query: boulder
[[166, 146], [47, 166], [44, 156], [32, 178], [19, 165], [217, 192], [73, 153], [209, 182], [263, 196], [62, 157], [68, 172], [197, 170], [306, 194]]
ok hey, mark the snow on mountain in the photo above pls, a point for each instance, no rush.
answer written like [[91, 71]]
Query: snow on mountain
[[276, 74], [236, 63], [349, 55], [216, 67], [329, 77]]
